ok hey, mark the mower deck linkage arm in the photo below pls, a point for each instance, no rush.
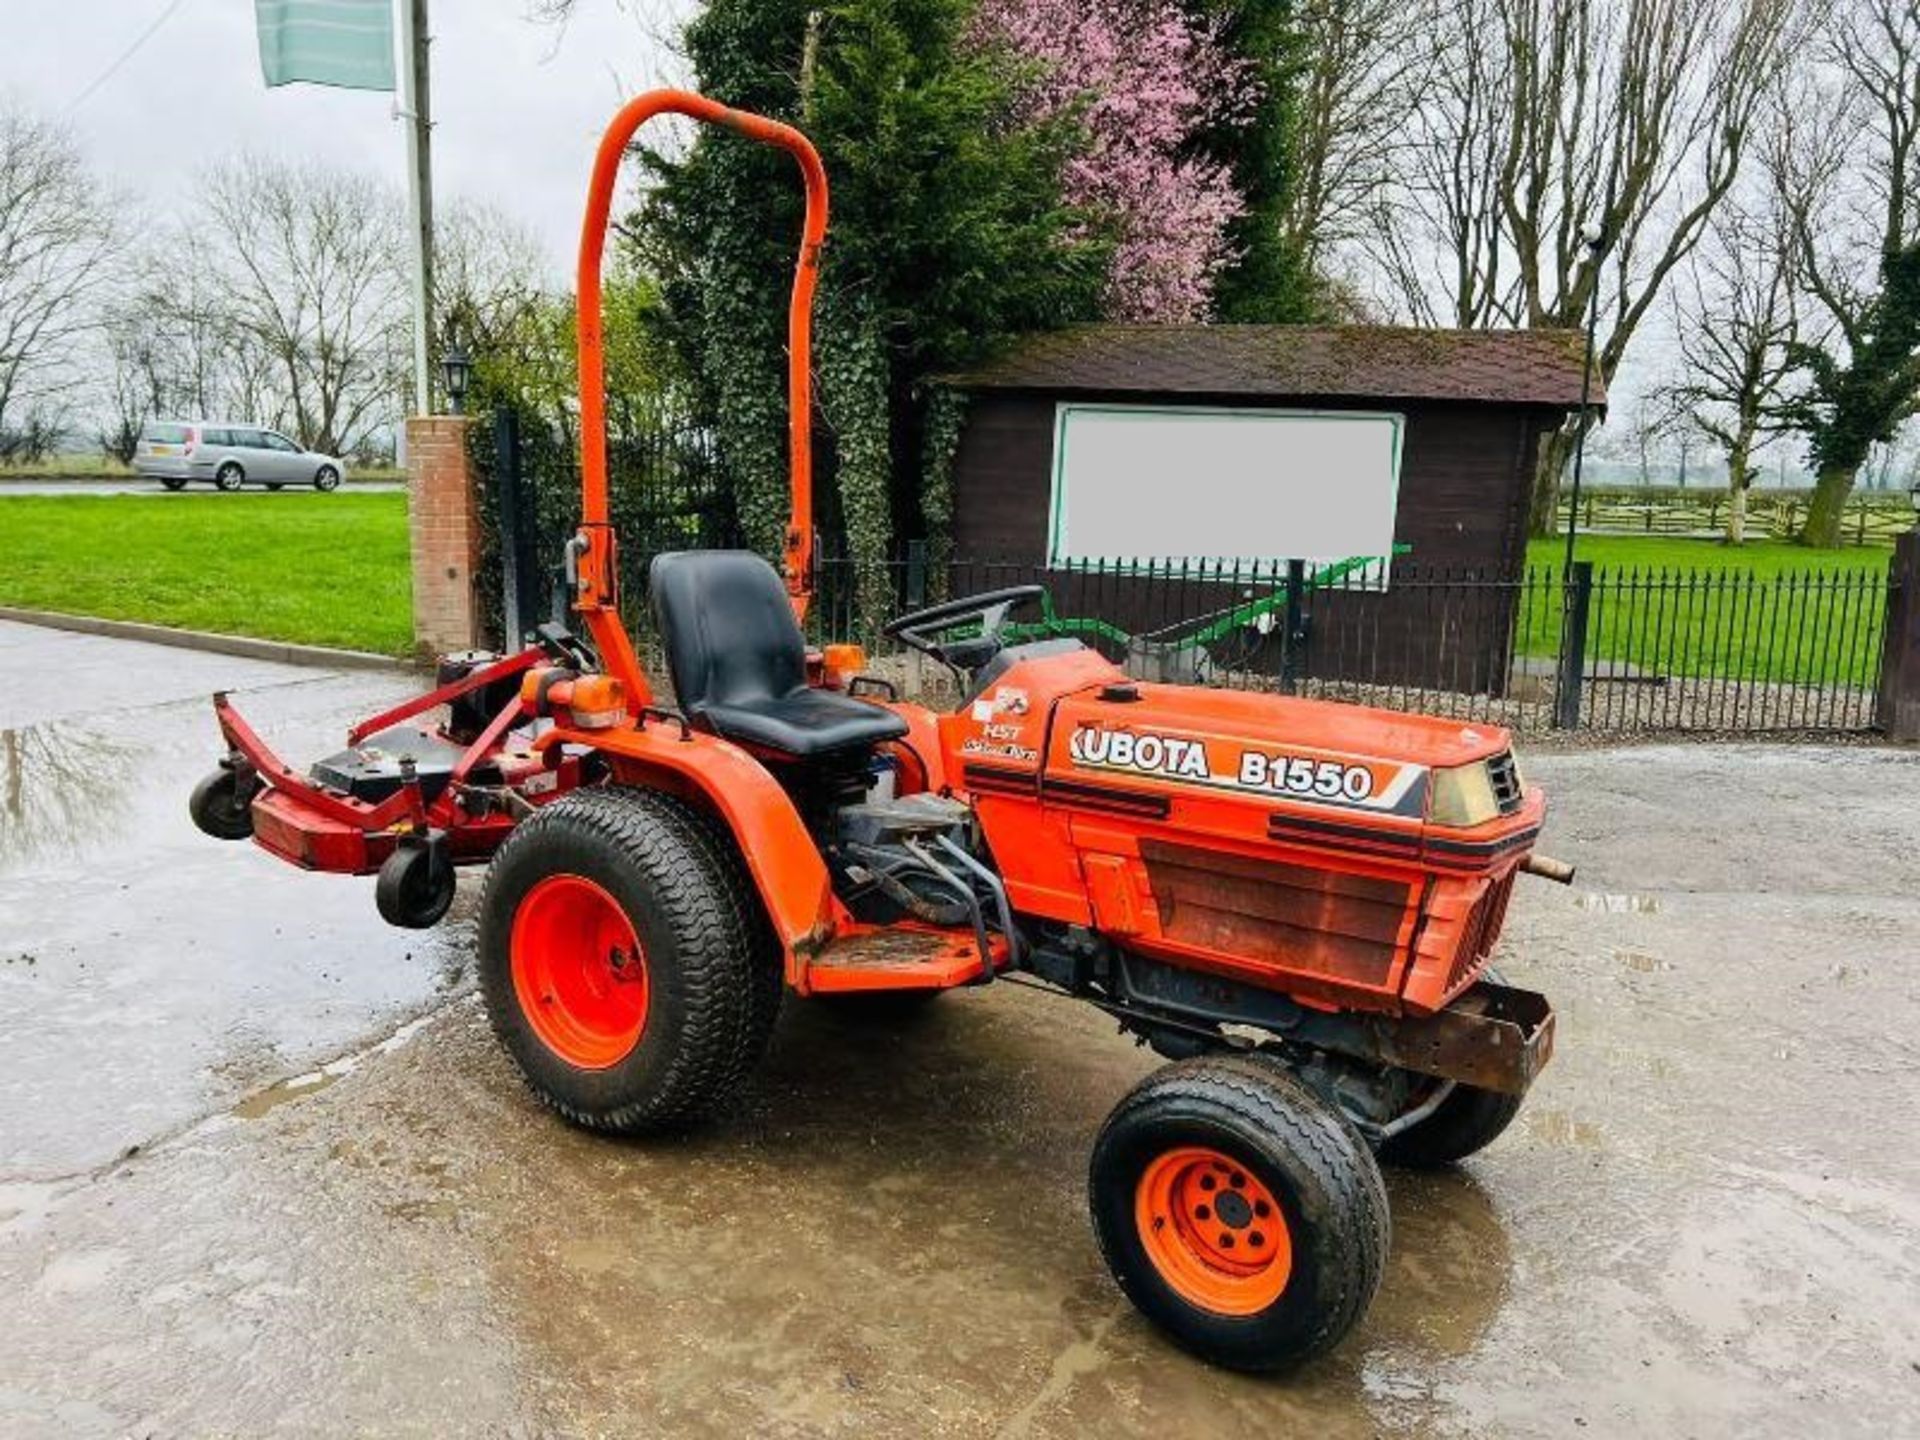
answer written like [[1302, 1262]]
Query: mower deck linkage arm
[[596, 590]]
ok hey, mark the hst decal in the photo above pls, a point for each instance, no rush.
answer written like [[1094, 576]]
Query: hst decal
[[1250, 769]]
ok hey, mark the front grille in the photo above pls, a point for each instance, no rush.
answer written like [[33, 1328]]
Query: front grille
[[1297, 918], [1504, 775], [1481, 931]]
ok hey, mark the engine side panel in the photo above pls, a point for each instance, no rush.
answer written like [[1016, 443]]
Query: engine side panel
[[1282, 842], [992, 749]]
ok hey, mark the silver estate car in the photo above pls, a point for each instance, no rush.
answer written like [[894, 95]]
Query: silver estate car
[[176, 451]]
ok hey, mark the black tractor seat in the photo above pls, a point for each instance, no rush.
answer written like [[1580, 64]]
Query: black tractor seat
[[739, 662]]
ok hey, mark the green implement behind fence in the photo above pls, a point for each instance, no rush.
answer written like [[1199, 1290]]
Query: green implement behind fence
[[1170, 655]]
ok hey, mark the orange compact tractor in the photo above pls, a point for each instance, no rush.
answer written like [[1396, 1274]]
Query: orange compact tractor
[[1292, 901]]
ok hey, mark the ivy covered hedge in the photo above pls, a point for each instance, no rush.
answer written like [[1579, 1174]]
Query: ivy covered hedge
[[997, 167]]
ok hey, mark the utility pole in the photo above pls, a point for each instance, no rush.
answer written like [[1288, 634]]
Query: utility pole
[[416, 113]]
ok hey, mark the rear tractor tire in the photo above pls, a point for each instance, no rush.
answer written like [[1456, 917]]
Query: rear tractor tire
[[618, 961], [1242, 1215], [222, 804]]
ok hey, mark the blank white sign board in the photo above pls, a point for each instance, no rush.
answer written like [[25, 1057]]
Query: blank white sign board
[[1156, 483]]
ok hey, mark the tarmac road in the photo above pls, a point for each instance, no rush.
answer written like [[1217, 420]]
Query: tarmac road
[[135, 486], [263, 1170]]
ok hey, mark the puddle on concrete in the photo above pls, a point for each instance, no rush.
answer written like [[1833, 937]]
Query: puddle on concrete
[[1617, 904], [1640, 960], [283, 1092], [60, 787], [299, 1087], [1556, 1127]]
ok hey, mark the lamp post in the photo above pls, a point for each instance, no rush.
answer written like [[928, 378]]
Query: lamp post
[[456, 367], [1573, 617], [1590, 236]]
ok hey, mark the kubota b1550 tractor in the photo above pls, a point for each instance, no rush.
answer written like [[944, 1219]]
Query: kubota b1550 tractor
[[1292, 901]]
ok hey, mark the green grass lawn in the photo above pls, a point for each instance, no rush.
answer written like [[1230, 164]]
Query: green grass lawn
[[309, 568], [1768, 611], [1763, 557], [332, 570]]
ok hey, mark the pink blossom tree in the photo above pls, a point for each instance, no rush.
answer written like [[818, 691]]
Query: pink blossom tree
[[1142, 77]]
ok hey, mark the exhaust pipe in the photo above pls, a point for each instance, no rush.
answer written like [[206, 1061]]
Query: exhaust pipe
[[1547, 868]]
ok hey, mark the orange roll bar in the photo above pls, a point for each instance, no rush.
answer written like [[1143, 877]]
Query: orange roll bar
[[594, 594]]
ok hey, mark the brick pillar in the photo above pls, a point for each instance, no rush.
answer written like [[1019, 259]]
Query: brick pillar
[[1899, 709], [443, 523]]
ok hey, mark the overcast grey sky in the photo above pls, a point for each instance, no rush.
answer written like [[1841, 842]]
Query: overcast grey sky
[[518, 104]]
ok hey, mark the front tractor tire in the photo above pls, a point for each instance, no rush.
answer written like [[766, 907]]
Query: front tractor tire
[[1467, 1120], [1239, 1213], [618, 961]]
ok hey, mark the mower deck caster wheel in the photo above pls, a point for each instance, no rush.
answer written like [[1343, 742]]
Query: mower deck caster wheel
[[416, 884], [1241, 1214], [222, 805]]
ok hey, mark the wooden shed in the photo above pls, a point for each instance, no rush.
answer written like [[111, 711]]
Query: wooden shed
[[1470, 406]]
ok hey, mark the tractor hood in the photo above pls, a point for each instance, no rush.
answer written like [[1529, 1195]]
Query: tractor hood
[[1323, 725], [1313, 753]]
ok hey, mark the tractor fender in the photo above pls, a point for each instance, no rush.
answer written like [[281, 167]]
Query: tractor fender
[[726, 781]]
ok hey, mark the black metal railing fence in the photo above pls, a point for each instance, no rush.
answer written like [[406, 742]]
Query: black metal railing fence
[[1607, 650]]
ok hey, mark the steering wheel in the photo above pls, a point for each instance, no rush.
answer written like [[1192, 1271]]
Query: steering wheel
[[922, 629]]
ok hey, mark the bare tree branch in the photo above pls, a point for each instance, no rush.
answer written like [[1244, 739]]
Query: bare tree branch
[[56, 236]]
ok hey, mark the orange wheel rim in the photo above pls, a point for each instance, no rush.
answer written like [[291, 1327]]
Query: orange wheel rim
[[579, 972], [1213, 1230]]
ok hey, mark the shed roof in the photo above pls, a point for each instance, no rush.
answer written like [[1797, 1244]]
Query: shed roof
[[1368, 362]]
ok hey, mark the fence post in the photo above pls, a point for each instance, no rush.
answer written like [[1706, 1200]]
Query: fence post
[[1898, 713], [916, 595], [443, 524], [1293, 633], [1573, 646]]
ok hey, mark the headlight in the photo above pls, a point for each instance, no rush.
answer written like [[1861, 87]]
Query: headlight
[[1463, 796]]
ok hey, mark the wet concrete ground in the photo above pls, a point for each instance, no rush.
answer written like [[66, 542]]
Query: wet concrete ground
[[262, 1169]]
